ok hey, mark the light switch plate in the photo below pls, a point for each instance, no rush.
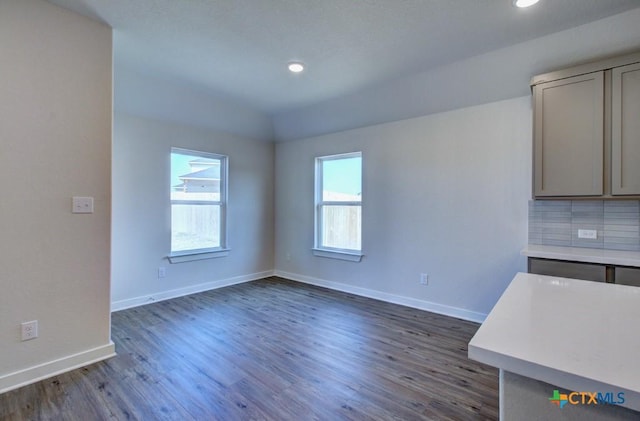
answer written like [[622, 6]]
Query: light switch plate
[[82, 204]]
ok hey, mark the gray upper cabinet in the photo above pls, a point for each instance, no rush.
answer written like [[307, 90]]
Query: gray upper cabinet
[[625, 130], [586, 130], [568, 136]]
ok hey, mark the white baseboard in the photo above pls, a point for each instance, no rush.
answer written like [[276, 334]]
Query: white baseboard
[[446, 310], [180, 292], [40, 372]]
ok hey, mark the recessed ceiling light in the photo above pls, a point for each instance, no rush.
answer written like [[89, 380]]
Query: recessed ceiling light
[[296, 67], [524, 3]]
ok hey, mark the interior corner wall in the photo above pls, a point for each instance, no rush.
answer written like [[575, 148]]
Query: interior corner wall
[[445, 194], [142, 212], [55, 143], [171, 100]]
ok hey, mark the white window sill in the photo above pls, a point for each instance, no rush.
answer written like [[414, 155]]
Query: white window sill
[[340, 255], [192, 255]]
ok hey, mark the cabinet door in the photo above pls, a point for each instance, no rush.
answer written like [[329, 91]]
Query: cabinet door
[[584, 271], [628, 276], [625, 130], [569, 136]]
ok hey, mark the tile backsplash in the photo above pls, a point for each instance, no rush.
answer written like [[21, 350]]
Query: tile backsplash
[[556, 223]]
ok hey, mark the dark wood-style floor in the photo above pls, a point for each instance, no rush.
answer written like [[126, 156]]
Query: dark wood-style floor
[[272, 350]]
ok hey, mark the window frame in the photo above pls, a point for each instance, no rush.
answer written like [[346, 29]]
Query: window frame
[[208, 252], [318, 249]]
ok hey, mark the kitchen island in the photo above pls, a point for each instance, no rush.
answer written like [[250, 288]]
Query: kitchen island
[[548, 333]]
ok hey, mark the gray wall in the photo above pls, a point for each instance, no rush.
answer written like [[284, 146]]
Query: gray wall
[[141, 210], [444, 194], [454, 205], [55, 143]]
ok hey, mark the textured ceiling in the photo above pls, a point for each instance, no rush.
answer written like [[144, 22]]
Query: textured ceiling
[[238, 49]]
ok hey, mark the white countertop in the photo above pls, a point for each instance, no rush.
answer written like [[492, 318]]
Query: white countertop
[[580, 254], [578, 335]]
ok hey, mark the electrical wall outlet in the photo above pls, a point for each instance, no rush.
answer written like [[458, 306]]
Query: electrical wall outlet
[[82, 204], [588, 234], [424, 279], [29, 330], [162, 272]]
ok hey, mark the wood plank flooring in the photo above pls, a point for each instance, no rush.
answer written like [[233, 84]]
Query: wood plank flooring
[[272, 350]]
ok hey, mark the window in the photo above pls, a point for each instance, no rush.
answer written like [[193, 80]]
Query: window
[[198, 202], [339, 206]]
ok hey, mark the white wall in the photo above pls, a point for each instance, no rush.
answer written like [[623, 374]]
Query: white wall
[[444, 194], [141, 210], [455, 204], [55, 142], [170, 100]]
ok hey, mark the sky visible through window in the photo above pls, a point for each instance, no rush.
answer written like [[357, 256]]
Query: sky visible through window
[[343, 175], [180, 166]]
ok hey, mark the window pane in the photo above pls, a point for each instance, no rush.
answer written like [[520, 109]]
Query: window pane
[[341, 227], [194, 177], [195, 227], [342, 179]]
